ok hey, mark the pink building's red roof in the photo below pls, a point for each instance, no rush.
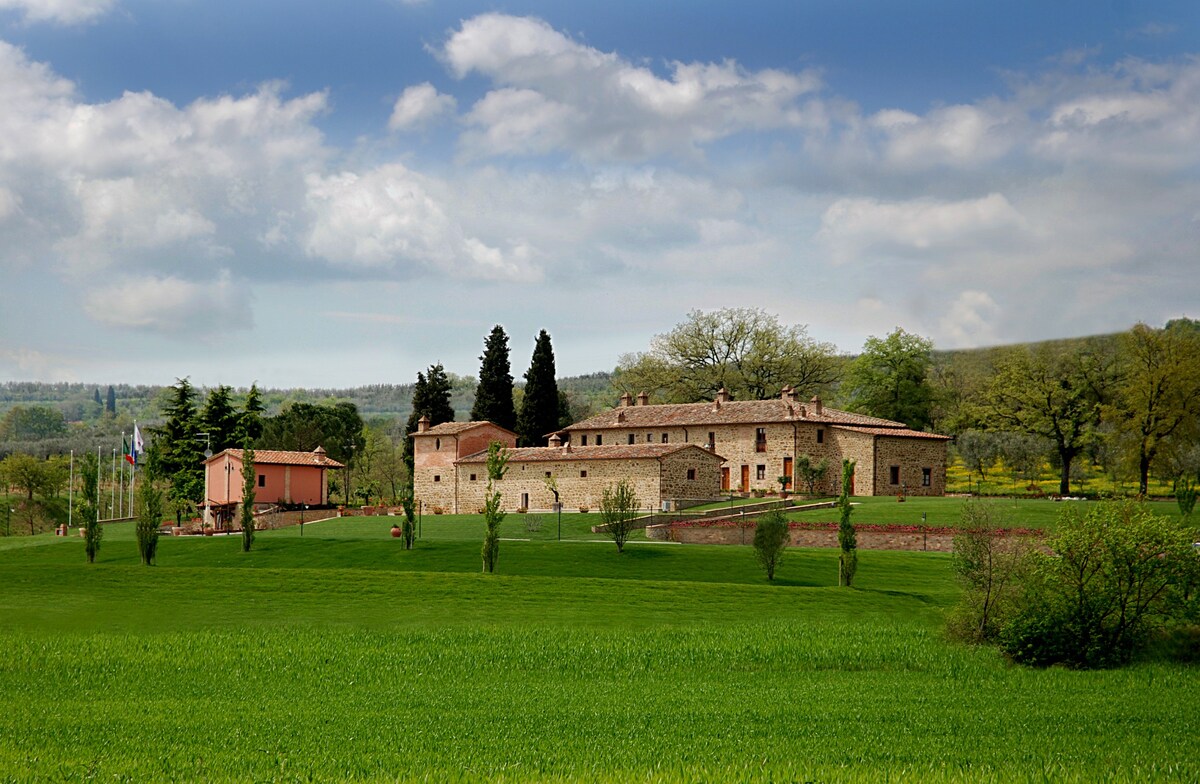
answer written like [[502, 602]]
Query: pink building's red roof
[[279, 457]]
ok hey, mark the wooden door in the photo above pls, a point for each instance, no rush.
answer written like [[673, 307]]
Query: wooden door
[[725, 478], [787, 470], [745, 479]]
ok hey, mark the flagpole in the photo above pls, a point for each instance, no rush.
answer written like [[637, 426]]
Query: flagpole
[[133, 447], [99, 470], [121, 480], [71, 490], [112, 487]]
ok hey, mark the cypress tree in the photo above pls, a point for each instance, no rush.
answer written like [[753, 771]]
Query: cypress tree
[[438, 391], [110, 404], [419, 404], [540, 406], [494, 395]]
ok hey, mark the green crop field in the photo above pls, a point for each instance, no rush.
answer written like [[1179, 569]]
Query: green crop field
[[340, 656]]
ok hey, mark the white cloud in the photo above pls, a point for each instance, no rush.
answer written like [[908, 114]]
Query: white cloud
[[556, 94], [419, 105], [388, 218], [64, 12], [970, 321], [172, 305], [852, 227]]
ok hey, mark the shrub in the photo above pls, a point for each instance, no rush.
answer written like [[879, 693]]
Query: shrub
[[1118, 576], [989, 564], [149, 518], [618, 507], [770, 540]]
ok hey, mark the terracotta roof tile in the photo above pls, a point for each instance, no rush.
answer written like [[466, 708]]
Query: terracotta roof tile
[[545, 454], [454, 428], [734, 412], [279, 457], [902, 432]]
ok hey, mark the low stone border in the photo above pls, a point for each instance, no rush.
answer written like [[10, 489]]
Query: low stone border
[[938, 540]]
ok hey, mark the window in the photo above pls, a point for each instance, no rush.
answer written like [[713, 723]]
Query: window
[[599, 439], [437, 443], [583, 440], [712, 440], [894, 474], [926, 477], [820, 435], [691, 475], [649, 437], [437, 478], [631, 438], [547, 474], [262, 480], [472, 477], [583, 474], [760, 472], [760, 439], [664, 438]]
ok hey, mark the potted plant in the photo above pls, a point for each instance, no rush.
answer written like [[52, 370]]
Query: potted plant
[[397, 531]]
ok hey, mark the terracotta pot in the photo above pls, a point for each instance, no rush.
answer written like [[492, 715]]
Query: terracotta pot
[[396, 532]]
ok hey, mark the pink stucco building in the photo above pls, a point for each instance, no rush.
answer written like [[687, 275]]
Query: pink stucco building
[[280, 477]]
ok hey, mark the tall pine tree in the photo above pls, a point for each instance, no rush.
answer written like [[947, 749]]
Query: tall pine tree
[[431, 398], [540, 407], [220, 420], [494, 395], [180, 456], [250, 422]]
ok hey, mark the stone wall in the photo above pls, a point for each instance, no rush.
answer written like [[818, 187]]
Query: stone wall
[[911, 455], [939, 542], [574, 490]]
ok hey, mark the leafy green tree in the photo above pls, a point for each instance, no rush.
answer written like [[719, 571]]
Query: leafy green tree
[[219, 419], [248, 484], [493, 513], [847, 537], [89, 504], [1048, 393], [618, 508], [770, 540], [890, 379], [1158, 396], [745, 351], [150, 510], [979, 450], [25, 472], [1118, 575], [494, 394], [539, 414], [32, 423]]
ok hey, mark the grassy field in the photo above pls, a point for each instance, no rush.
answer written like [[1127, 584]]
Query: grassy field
[[341, 656]]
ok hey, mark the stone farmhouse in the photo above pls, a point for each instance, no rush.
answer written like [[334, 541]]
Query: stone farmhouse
[[761, 439], [450, 471], [678, 451]]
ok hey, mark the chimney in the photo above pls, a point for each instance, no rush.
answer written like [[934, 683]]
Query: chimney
[[816, 405], [319, 455], [803, 412], [422, 424], [643, 399], [788, 394], [626, 400], [722, 395], [566, 448], [716, 406], [620, 416], [555, 439]]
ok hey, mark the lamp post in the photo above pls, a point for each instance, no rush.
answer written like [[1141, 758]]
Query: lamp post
[[207, 520], [302, 508]]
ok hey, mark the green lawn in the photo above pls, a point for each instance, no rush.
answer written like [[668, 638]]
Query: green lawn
[[340, 656]]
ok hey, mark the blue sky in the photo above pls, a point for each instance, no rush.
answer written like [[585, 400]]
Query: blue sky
[[324, 194]]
